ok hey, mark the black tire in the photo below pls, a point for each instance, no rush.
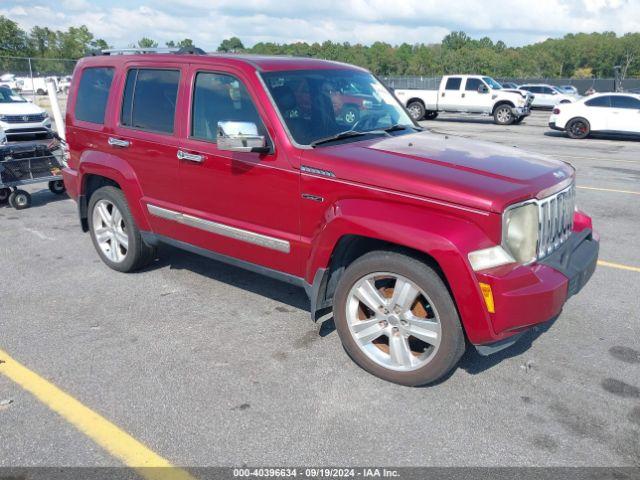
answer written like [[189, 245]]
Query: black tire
[[452, 343], [518, 120], [416, 110], [430, 115], [350, 115], [578, 128], [57, 187], [503, 115], [565, 101], [20, 199], [5, 193], [40, 92], [138, 254]]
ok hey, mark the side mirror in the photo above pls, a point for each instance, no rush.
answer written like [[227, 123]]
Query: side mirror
[[241, 137], [483, 89]]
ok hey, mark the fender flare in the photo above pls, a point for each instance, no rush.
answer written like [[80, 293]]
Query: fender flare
[[110, 166], [445, 238]]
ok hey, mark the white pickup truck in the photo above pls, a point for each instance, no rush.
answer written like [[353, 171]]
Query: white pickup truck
[[474, 94]]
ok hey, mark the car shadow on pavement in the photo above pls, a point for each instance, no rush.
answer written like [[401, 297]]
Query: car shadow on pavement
[[472, 362], [235, 276], [595, 136]]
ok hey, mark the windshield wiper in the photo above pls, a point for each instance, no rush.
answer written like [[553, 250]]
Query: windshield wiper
[[398, 127], [338, 136]]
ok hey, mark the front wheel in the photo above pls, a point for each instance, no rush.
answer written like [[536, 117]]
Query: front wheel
[[430, 115], [518, 120], [578, 128], [114, 232], [416, 110], [503, 115], [396, 319], [351, 115]]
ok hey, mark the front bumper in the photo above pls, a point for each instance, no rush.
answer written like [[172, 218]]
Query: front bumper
[[25, 129], [528, 295], [521, 111]]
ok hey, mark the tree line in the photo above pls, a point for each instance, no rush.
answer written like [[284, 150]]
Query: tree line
[[580, 55]]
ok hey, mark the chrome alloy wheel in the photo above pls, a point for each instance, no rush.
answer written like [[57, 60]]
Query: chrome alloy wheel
[[504, 115], [415, 112], [110, 231], [393, 321]]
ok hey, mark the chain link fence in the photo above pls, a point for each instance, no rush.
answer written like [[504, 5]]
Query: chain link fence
[[30, 76]]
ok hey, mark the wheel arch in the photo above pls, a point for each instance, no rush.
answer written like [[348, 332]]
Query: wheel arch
[[97, 170], [500, 103], [443, 247]]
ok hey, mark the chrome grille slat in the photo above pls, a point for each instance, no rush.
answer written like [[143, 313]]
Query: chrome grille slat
[[556, 220]]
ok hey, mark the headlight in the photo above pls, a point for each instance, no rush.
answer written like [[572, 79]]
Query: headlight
[[520, 232]]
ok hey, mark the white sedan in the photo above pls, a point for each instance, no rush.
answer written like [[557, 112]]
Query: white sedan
[[603, 112], [547, 96]]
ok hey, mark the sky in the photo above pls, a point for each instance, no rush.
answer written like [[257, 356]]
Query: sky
[[208, 22]]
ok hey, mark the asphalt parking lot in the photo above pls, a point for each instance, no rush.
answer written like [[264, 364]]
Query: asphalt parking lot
[[209, 365]]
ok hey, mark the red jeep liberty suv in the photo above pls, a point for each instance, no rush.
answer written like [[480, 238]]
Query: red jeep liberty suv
[[419, 243]]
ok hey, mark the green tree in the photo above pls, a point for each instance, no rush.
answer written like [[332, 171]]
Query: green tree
[[231, 45], [146, 42]]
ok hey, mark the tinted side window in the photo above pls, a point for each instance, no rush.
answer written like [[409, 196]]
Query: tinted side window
[[218, 97], [534, 89], [547, 90], [622, 101], [93, 93], [604, 101], [149, 101], [473, 84], [453, 83]]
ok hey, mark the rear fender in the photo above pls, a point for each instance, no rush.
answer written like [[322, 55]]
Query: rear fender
[[446, 238], [116, 169]]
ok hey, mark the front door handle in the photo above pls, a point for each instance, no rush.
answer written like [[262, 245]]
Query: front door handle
[[117, 142], [192, 157]]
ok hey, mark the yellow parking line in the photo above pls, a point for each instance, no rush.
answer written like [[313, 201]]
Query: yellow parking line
[[610, 190], [618, 265], [118, 443]]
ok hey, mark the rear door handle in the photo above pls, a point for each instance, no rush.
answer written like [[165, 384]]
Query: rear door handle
[[117, 142], [192, 157]]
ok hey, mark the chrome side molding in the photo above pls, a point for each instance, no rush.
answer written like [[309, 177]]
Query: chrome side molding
[[221, 229]]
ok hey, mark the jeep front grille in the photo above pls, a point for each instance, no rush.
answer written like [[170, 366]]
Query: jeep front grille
[[556, 220]]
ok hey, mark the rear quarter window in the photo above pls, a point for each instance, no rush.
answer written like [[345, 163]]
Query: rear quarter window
[[93, 93], [604, 101]]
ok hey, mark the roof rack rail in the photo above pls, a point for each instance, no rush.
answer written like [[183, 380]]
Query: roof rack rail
[[136, 50]]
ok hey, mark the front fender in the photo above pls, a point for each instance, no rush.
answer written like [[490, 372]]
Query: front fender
[[444, 237], [110, 166]]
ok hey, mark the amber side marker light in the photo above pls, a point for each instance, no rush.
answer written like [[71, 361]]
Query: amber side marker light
[[485, 288]]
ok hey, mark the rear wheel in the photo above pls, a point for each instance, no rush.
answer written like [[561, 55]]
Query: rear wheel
[[503, 115], [20, 199], [416, 110], [114, 232], [57, 187], [578, 128], [396, 319], [4, 195], [518, 120]]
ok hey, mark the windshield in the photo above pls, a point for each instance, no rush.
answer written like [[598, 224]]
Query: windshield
[[492, 83], [317, 104], [8, 96]]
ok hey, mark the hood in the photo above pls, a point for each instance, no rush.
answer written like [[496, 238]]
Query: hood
[[479, 175], [19, 108]]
